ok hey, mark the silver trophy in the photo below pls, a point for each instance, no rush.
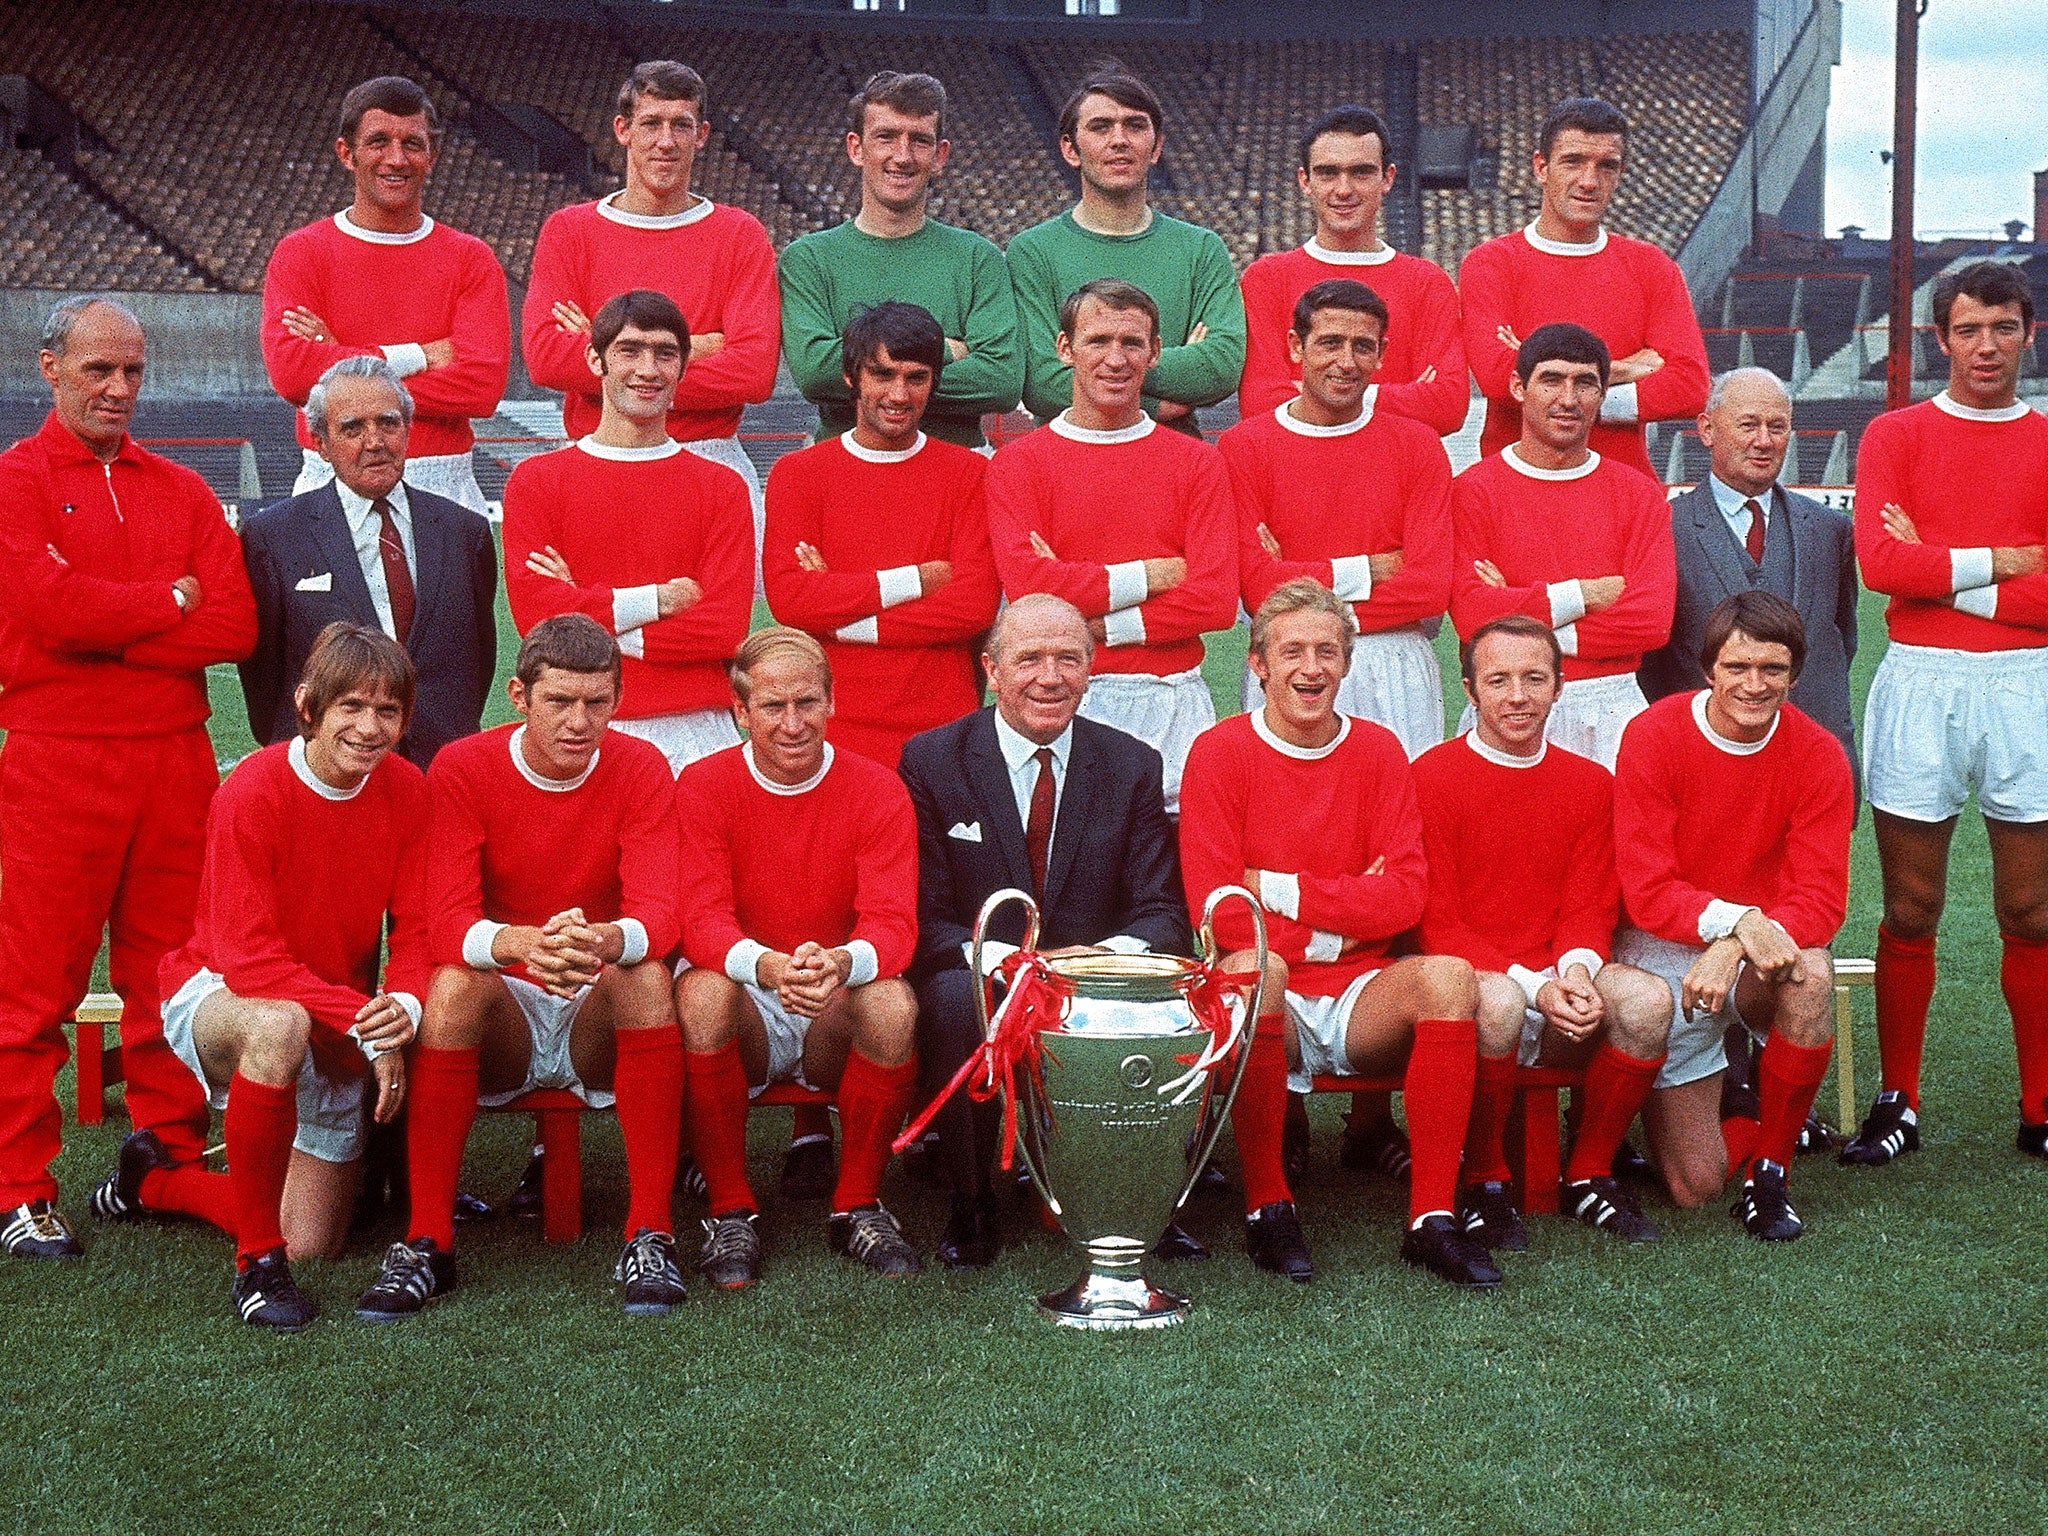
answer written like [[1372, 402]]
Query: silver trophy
[[1129, 1089]]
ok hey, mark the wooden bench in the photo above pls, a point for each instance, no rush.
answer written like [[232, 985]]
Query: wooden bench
[[97, 1064]]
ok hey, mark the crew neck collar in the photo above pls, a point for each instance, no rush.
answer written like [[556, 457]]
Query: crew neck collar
[[301, 766], [1300, 428], [1323, 253], [1063, 426], [1289, 749], [541, 781], [881, 455], [1716, 739], [1505, 759], [355, 231], [1522, 466], [667, 448], [773, 788], [1550, 247], [1950, 405], [608, 208]]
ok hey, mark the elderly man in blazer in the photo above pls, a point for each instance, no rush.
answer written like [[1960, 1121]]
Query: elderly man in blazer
[[1026, 794], [1800, 551], [368, 548]]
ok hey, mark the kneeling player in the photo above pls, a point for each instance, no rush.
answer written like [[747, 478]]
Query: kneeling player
[[1520, 837], [273, 1003], [799, 916], [1315, 811], [1732, 813], [552, 863]]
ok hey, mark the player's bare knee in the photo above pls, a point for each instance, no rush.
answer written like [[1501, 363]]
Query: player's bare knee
[[1448, 988], [2026, 921], [1501, 1010], [706, 1008], [275, 1040], [885, 1022], [1638, 1007], [1911, 911], [641, 995], [457, 1000], [1806, 1008], [1695, 1176]]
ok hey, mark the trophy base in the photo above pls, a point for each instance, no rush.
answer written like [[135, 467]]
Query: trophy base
[[1107, 1302]]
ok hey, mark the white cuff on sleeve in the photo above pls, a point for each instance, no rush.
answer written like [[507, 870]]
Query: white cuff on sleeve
[[741, 960], [633, 607], [634, 948], [867, 965], [406, 359], [1969, 568], [1718, 919], [993, 953], [1126, 944], [1590, 959], [860, 632], [1351, 577], [899, 584], [412, 1007], [1127, 585], [1280, 893], [1621, 407], [1324, 948], [1531, 982], [476, 944], [1124, 627], [1567, 603], [1982, 601], [1568, 639]]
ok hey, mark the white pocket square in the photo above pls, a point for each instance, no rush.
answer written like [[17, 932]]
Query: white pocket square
[[324, 582], [966, 831]]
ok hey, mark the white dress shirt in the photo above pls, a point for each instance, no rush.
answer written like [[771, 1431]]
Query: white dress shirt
[[365, 529]]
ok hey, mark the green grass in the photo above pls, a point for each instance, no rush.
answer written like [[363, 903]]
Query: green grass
[[1882, 1375]]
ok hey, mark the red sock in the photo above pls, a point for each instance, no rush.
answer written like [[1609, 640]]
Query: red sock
[[648, 1082], [2023, 974], [1787, 1078], [810, 1120], [1442, 1068], [189, 1190], [873, 1100], [443, 1107], [1905, 986], [1258, 1117], [1493, 1095], [1616, 1085], [1739, 1137], [260, 1123], [715, 1089]]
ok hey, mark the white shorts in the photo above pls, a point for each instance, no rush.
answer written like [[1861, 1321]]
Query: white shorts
[[330, 1109], [1319, 1027], [1940, 723], [1393, 680], [1166, 713], [1589, 716], [1694, 1050], [786, 1034], [548, 1018], [684, 738], [450, 475], [727, 451]]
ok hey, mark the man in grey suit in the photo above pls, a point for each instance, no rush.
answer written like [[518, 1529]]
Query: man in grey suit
[[368, 548], [1800, 551]]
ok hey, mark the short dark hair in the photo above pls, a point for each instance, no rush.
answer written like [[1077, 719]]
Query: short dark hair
[[388, 93], [1352, 120], [1108, 77], [349, 656], [907, 332], [1588, 114], [641, 307], [1763, 616], [568, 642], [1111, 293], [913, 95], [664, 80], [1512, 624], [1339, 293], [1561, 342], [1990, 283]]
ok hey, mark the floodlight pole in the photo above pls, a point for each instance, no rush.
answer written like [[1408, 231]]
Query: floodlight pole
[[1898, 363]]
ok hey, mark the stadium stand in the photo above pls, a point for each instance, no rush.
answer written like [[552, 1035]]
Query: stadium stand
[[59, 235]]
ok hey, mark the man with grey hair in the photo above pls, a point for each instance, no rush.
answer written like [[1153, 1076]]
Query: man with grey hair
[[368, 548], [1028, 795], [120, 583]]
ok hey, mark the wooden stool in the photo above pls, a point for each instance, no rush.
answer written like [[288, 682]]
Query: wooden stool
[[1850, 971], [97, 1064]]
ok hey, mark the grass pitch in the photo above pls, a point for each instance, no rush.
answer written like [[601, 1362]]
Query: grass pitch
[[1881, 1375]]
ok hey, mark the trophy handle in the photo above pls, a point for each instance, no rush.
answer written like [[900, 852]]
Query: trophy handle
[[996, 902], [1218, 1109]]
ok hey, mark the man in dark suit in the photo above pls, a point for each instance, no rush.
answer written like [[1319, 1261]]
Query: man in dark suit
[[368, 548], [1027, 795], [1800, 551]]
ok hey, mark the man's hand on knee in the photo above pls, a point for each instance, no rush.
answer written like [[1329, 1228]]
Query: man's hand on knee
[[813, 974], [1571, 1004], [1768, 948], [1712, 977]]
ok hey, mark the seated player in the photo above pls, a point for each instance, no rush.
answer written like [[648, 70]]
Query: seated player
[[799, 917], [1315, 812], [878, 544], [273, 1003], [1520, 839], [1732, 813], [551, 868]]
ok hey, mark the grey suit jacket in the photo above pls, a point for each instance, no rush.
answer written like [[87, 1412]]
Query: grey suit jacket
[[1711, 566], [454, 638]]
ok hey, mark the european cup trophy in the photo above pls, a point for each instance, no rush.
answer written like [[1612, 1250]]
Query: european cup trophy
[[1117, 1074]]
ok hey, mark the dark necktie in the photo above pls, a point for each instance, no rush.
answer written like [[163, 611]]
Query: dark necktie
[[1754, 543], [1038, 830], [397, 575]]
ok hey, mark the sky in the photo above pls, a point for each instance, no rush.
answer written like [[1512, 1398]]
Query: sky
[[1983, 121]]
